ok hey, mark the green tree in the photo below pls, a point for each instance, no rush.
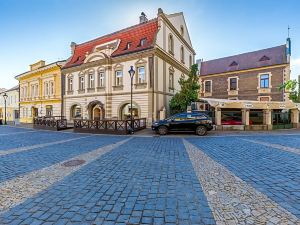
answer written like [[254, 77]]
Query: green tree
[[292, 86], [188, 93]]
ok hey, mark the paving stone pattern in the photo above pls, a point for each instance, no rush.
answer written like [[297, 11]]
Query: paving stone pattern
[[20, 163], [144, 181], [232, 200], [274, 172], [149, 180]]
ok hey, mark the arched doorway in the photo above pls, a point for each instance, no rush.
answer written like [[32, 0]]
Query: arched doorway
[[125, 111], [97, 113], [96, 110]]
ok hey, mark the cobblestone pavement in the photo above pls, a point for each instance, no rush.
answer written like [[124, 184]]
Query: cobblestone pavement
[[239, 179]]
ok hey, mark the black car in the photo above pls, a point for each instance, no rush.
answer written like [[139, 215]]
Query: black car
[[197, 122]]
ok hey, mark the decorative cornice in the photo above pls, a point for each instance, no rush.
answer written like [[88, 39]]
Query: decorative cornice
[[49, 67], [163, 55], [119, 93]]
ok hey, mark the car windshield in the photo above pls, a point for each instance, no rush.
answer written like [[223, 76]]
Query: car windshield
[[187, 116]]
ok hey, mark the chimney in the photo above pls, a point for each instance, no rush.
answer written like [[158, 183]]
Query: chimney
[[143, 18], [73, 46]]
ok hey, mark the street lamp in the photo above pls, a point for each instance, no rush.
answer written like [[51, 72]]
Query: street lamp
[[131, 73], [5, 96]]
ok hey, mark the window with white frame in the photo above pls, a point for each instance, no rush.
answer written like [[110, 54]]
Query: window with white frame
[[36, 94], [182, 54], [70, 83], [141, 74], [208, 86], [46, 87], [119, 77], [81, 83], [264, 81], [51, 88], [32, 91], [233, 83], [171, 80], [171, 44], [101, 78], [91, 80]]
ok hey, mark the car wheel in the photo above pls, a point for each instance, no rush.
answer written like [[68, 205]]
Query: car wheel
[[162, 130], [201, 130]]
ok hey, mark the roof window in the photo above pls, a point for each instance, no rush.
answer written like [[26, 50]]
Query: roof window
[[143, 42], [234, 63], [264, 58]]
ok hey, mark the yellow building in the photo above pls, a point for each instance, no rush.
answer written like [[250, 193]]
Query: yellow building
[[12, 105], [40, 91]]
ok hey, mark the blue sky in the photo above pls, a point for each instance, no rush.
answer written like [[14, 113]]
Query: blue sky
[[43, 29]]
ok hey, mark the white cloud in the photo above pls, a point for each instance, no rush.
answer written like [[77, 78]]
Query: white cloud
[[295, 67]]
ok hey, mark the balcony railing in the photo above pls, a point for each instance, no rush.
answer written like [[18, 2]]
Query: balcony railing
[[50, 123], [109, 126]]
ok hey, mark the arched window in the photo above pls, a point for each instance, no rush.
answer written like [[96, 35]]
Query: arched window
[[76, 112], [171, 44], [181, 30], [182, 54]]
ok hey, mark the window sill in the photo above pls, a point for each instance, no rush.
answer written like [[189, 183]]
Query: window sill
[[171, 89], [81, 91], [91, 90], [100, 88], [140, 85], [207, 94], [264, 90], [233, 92], [118, 87]]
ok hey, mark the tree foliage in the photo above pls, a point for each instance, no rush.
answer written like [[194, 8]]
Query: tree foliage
[[292, 86], [188, 93]]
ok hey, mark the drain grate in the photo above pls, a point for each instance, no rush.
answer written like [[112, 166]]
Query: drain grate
[[75, 162]]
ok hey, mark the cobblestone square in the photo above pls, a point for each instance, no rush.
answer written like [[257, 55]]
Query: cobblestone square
[[51, 177]]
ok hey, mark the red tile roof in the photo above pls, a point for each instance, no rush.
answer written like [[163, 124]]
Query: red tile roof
[[132, 34]]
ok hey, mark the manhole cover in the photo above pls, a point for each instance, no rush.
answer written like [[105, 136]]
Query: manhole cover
[[75, 162]]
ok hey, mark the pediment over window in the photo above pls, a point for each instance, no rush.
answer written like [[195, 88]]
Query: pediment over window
[[140, 62], [264, 58], [234, 63]]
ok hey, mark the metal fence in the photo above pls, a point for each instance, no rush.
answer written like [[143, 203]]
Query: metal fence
[[109, 126]]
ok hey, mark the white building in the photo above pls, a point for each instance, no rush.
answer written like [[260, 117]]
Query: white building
[[97, 82], [12, 105]]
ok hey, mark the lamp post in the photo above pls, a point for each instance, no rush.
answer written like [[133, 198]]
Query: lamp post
[[131, 73], [5, 96]]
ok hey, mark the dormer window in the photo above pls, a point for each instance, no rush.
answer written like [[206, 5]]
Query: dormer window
[[264, 58], [128, 45], [77, 59], [143, 42], [234, 63]]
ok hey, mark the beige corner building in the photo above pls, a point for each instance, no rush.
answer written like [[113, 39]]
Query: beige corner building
[[96, 78]]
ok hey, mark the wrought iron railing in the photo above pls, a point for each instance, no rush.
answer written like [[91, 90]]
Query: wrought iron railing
[[109, 125], [53, 122]]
